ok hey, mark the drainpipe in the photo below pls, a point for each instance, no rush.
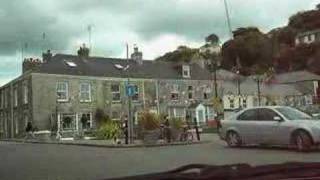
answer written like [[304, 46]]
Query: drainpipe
[[157, 94], [143, 96], [11, 109]]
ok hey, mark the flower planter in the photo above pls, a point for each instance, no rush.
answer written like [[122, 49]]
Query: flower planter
[[151, 136], [175, 134]]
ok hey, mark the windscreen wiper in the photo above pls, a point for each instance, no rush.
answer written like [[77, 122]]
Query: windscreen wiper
[[286, 171]]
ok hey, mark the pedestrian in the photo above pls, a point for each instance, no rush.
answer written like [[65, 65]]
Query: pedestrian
[[125, 129], [29, 130], [167, 129]]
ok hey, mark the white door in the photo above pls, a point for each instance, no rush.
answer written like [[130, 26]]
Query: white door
[[201, 116]]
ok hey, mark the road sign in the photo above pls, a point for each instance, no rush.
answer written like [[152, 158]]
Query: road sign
[[130, 90]]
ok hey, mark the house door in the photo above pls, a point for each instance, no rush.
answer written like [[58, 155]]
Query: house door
[[201, 116]]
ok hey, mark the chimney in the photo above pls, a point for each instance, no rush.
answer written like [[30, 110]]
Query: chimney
[[30, 64], [137, 55], [46, 57], [83, 52]]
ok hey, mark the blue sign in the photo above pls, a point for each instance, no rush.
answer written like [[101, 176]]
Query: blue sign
[[130, 90]]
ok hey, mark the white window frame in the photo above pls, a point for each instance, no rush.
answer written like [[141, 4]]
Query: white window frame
[[233, 103], [174, 90], [186, 68], [175, 113], [90, 120], [25, 93], [115, 92], [66, 91], [81, 92], [117, 118], [15, 96], [136, 94], [73, 123]]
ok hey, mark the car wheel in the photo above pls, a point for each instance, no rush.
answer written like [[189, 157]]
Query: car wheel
[[302, 141], [233, 139]]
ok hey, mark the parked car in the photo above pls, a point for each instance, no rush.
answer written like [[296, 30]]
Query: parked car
[[271, 125]]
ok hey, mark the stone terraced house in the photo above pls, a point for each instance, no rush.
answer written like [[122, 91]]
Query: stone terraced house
[[66, 88]]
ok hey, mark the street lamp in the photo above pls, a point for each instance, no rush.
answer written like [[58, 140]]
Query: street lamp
[[259, 79], [239, 88], [215, 65], [130, 120]]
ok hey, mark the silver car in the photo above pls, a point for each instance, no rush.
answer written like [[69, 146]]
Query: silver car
[[271, 125]]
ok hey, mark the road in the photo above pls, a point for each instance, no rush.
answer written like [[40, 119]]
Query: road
[[43, 161]]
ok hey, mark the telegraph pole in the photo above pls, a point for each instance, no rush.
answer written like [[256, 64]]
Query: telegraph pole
[[228, 17], [90, 33], [130, 120], [259, 92]]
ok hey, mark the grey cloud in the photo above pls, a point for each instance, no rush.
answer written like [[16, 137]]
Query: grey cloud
[[62, 21], [24, 22]]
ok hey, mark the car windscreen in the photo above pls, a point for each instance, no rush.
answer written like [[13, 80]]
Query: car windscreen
[[293, 114]]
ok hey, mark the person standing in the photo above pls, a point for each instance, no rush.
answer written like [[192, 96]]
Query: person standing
[[125, 129], [29, 130], [167, 129]]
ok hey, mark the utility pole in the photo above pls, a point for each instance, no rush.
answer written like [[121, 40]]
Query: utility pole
[[259, 92], [89, 33], [239, 90], [157, 93], [228, 17], [130, 119], [43, 42], [215, 79]]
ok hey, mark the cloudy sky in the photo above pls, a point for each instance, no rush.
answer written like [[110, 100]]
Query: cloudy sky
[[155, 26]]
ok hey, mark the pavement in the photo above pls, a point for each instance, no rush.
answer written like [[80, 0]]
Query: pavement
[[205, 138], [56, 161]]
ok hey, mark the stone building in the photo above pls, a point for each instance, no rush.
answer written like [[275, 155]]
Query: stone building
[[308, 37], [65, 88]]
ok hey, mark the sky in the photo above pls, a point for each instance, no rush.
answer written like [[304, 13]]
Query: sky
[[29, 27]]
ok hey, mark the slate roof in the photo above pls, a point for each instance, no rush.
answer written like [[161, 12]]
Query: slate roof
[[294, 77], [223, 74], [250, 87], [105, 67]]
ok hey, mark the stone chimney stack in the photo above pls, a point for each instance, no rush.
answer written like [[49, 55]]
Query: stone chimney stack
[[83, 52], [46, 57], [137, 55], [30, 64]]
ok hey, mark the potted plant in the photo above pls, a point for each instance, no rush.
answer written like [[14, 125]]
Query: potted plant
[[149, 124], [176, 128], [108, 131]]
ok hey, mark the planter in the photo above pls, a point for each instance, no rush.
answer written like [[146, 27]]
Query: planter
[[151, 136], [175, 134], [43, 135]]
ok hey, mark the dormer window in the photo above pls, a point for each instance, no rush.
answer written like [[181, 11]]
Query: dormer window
[[70, 64], [186, 71]]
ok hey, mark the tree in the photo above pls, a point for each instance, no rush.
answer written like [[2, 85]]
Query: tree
[[212, 39], [249, 48], [181, 54]]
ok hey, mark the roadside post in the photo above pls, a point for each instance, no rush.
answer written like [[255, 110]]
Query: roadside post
[[197, 129]]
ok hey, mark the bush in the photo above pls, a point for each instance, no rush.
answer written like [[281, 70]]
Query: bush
[[101, 117], [108, 130], [176, 123], [149, 121]]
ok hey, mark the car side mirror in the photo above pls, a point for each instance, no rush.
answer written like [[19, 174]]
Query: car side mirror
[[277, 118]]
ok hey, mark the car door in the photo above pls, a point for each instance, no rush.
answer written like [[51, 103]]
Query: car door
[[246, 125], [268, 126]]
